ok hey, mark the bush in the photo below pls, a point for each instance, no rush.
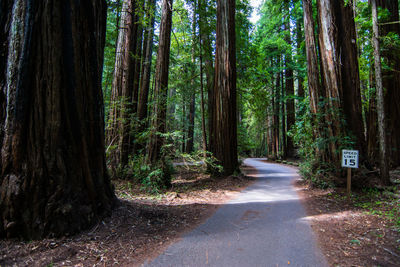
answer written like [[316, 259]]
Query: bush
[[317, 173], [153, 177]]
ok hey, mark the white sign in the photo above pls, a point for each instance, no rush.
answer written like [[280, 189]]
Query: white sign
[[350, 158]]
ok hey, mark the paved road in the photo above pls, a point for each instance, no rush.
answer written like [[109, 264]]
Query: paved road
[[263, 226]]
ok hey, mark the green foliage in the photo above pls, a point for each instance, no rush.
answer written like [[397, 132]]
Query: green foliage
[[204, 160], [317, 173], [302, 132], [381, 203], [153, 177]]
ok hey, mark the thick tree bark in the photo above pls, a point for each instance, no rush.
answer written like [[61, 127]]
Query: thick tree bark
[[146, 72], [192, 107], [350, 79], [314, 85], [225, 124], [183, 124], [117, 22], [277, 110], [372, 129], [340, 75], [208, 66], [137, 55], [191, 115], [289, 84], [161, 85], [300, 62], [383, 159], [118, 128], [53, 175], [391, 80], [202, 103], [203, 115], [330, 71], [270, 129], [283, 118], [5, 23]]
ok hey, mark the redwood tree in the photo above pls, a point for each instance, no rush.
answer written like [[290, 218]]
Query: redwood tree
[[340, 76], [118, 128], [384, 166], [192, 106], [223, 140], [391, 79], [289, 84], [53, 174], [145, 71], [158, 126], [314, 85]]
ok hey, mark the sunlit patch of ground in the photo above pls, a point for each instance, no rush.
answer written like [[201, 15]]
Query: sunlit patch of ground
[[342, 215]]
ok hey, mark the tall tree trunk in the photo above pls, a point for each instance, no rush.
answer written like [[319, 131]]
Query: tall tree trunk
[[209, 68], [192, 107], [270, 127], [161, 85], [371, 120], [300, 53], [383, 159], [137, 72], [203, 116], [5, 23], [289, 84], [117, 22], [391, 80], [53, 174], [276, 109], [121, 96], [146, 72], [314, 85], [350, 79], [191, 115], [183, 125], [283, 117], [225, 123], [330, 71], [137, 55], [340, 76]]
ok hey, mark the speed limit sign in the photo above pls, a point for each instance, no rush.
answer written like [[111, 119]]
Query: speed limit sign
[[350, 158]]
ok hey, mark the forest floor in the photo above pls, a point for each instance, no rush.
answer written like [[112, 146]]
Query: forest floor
[[364, 231], [140, 228]]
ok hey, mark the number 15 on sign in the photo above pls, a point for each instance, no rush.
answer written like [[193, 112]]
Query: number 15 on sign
[[349, 160]]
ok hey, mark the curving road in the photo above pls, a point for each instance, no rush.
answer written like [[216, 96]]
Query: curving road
[[263, 226]]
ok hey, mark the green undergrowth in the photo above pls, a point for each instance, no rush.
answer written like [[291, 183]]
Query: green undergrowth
[[317, 174], [152, 177], [157, 178], [383, 203]]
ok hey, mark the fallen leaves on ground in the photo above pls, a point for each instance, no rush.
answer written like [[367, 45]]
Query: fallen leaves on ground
[[140, 227], [358, 232]]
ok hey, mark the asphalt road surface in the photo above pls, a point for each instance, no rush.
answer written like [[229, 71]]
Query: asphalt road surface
[[263, 226]]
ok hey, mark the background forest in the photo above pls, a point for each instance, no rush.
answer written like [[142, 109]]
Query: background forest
[[282, 112]]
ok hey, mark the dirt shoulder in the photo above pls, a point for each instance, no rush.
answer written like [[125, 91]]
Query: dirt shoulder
[[364, 231], [361, 232], [140, 228]]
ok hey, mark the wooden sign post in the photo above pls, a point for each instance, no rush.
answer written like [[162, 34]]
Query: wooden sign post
[[349, 161]]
